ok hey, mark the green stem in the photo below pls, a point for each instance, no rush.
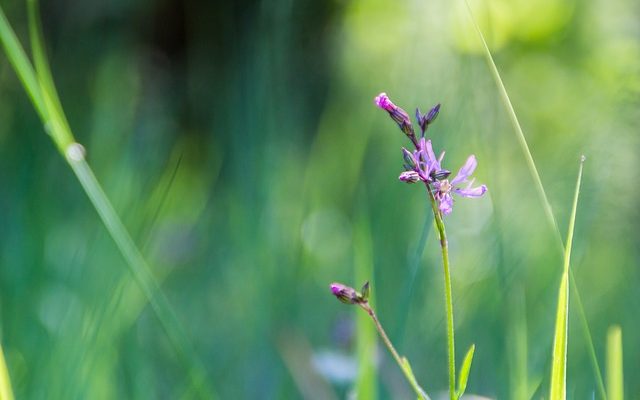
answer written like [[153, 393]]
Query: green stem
[[402, 362], [442, 235]]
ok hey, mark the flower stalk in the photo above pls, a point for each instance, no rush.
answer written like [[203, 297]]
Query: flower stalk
[[444, 245], [349, 295]]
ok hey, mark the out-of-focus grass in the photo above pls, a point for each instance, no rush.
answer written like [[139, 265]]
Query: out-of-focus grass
[[284, 160]]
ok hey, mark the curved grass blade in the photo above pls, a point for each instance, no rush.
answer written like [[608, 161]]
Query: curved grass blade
[[558, 389], [543, 198]]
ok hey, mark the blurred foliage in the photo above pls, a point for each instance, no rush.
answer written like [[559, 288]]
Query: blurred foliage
[[239, 142]]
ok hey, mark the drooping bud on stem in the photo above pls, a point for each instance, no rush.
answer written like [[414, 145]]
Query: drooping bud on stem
[[349, 295]]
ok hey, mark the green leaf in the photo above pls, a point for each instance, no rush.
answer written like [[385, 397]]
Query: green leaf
[[558, 389], [463, 375]]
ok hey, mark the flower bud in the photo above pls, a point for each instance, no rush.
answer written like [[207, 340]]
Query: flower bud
[[441, 174], [349, 295], [409, 177], [345, 294], [433, 114], [399, 115], [409, 159], [424, 120]]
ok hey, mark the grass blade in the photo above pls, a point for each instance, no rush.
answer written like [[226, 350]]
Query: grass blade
[[615, 379], [463, 376], [543, 198], [57, 121], [559, 364], [6, 393]]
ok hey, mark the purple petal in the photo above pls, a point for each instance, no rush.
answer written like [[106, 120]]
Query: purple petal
[[432, 161], [472, 192], [466, 170], [446, 204]]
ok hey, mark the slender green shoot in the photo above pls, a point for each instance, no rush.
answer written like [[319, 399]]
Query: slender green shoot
[[543, 198], [6, 393], [559, 364], [615, 378], [40, 87], [463, 376]]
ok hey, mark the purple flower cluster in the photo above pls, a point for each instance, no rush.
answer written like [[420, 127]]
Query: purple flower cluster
[[422, 164]]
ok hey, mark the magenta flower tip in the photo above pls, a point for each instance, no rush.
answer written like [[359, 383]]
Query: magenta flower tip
[[383, 101], [336, 288]]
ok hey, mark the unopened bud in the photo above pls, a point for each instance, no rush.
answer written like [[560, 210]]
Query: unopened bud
[[349, 295], [439, 175], [424, 120], [399, 115], [345, 294], [408, 158], [409, 177], [433, 114]]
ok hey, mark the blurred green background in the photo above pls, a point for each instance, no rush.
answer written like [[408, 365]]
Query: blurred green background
[[240, 144]]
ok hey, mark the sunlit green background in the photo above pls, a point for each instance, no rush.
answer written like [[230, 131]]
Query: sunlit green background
[[239, 142]]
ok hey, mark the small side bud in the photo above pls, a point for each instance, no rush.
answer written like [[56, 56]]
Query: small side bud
[[409, 177], [365, 291], [441, 174], [409, 159], [424, 120], [433, 114]]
